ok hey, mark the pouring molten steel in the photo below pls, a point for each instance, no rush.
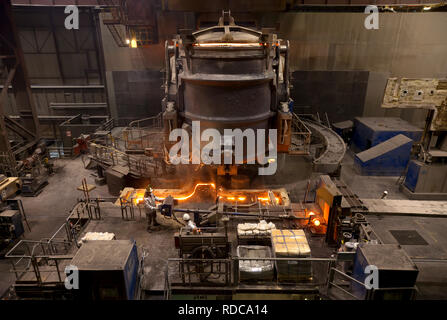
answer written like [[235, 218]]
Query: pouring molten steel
[[182, 198], [239, 196]]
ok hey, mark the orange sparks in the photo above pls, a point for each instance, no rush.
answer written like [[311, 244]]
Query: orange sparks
[[231, 198], [267, 199], [137, 198]]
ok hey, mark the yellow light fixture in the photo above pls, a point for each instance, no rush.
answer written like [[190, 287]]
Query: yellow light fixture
[[133, 43], [427, 8]]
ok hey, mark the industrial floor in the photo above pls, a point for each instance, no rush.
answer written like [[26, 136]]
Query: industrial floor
[[426, 246], [158, 245], [48, 210]]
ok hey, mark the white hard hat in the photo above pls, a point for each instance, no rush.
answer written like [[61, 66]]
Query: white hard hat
[[186, 217]]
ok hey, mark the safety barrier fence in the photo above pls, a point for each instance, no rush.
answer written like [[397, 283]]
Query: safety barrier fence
[[353, 289], [184, 272], [109, 156], [43, 262], [150, 122], [300, 137]]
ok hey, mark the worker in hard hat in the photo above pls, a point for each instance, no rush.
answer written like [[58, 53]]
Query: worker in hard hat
[[190, 225], [150, 206]]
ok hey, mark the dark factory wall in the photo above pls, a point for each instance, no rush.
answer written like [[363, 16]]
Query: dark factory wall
[[339, 94], [338, 66], [63, 65], [132, 94], [135, 75], [329, 52], [405, 45], [56, 56]]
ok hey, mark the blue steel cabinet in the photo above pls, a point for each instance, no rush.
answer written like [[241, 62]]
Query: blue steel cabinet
[[108, 270], [397, 274], [370, 131], [389, 158]]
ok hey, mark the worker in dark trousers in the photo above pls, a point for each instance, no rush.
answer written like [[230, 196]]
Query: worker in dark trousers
[[150, 206]]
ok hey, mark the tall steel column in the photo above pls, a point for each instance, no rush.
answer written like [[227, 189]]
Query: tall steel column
[[17, 77]]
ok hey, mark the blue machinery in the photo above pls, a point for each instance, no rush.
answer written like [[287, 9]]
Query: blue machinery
[[426, 174]]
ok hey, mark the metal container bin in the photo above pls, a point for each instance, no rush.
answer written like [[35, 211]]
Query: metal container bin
[[255, 270]]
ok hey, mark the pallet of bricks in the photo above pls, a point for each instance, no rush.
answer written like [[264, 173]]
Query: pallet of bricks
[[291, 244]]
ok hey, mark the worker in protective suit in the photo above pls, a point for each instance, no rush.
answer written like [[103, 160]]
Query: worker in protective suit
[[150, 206], [191, 226]]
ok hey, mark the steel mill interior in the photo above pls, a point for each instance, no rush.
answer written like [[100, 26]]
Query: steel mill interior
[[228, 149]]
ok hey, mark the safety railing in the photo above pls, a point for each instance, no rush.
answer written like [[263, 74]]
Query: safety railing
[[353, 289], [80, 216], [144, 134], [107, 126], [39, 262], [151, 122], [337, 275], [141, 139], [137, 166], [197, 272], [185, 272], [217, 271], [292, 271], [43, 262], [129, 207], [138, 148], [59, 151], [300, 137]]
